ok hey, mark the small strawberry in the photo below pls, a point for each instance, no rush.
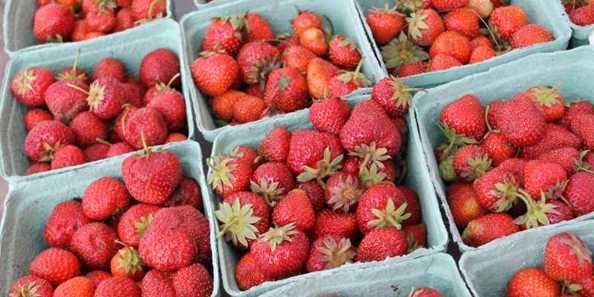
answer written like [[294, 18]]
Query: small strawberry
[[281, 251], [506, 20], [521, 122], [337, 224], [77, 286], [144, 10], [286, 90], [329, 115], [176, 137], [94, 244], [424, 26], [31, 285], [382, 205], [275, 146], [425, 292], [561, 212], [319, 74], [343, 191], [530, 35], [401, 51], [256, 60], [314, 39], [464, 21], [81, 30], [64, 220], [314, 155], [496, 189], [45, 139], [67, 156], [463, 202], [382, 243], [35, 116], [53, 23], [257, 28], [229, 174], [412, 69], [343, 53], [187, 193], [385, 24], [117, 286], [160, 66], [243, 217], [453, 44], [443, 62], [582, 16], [306, 19], [29, 85], [145, 127], [555, 137], [481, 41], [583, 127], [101, 21], [393, 94], [104, 198], [498, 149], [37, 168], [118, 148], [329, 252], [55, 265], [567, 258], [97, 151], [463, 118], [88, 128], [272, 180], [532, 282], [416, 237], [577, 193], [105, 97], [214, 73], [223, 104], [544, 178], [248, 273], [124, 20], [193, 281], [172, 106], [97, 276], [480, 54], [110, 68], [442, 5], [471, 162], [297, 57], [296, 209], [127, 263], [488, 228]]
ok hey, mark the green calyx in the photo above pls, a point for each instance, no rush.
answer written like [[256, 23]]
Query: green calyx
[[336, 253], [390, 216], [477, 167], [536, 211], [324, 168], [446, 169], [506, 193], [278, 235], [356, 77], [454, 141], [401, 51], [545, 95], [270, 190], [129, 260]]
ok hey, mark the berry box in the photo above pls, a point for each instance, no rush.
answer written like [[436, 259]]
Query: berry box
[[566, 71], [580, 33], [417, 179], [342, 14], [545, 13], [438, 271], [29, 203], [202, 4]]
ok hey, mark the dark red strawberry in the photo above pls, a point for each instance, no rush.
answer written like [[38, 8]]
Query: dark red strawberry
[[243, 217], [329, 252], [385, 23], [55, 265], [382, 205], [42, 142], [567, 258], [412, 69], [275, 146], [286, 90], [413, 206], [145, 127], [315, 193], [582, 16], [416, 237], [272, 180], [187, 193], [561, 212], [95, 244], [382, 243], [160, 66], [53, 23], [63, 221], [88, 128], [223, 34], [329, 115], [29, 85], [488, 228]]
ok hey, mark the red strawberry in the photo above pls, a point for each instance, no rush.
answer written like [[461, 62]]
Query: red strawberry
[[382, 243], [68, 155], [187, 193], [315, 193], [214, 73], [530, 35], [297, 57], [77, 286], [229, 174], [134, 221], [549, 101], [81, 31], [157, 284], [176, 137], [471, 162], [393, 95], [532, 282], [117, 286], [582, 16], [95, 244], [286, 90], [329, 252], [577, 193], [576, 108], [110, 68], [105, 98], [29, 85], [104, 198], [516, 167], [295, 208], [488, 228], [567, 157], [127, 263], [443, 62], [256, 60], [257, 28], [243, 217], [166, 249], [64, 220], [496, 189], [425, 292], [343, 191], [521, 122], [424, 26], [55, 265], [314, 39], [272, 180], [498, 149], [567, 258], [329, 115], [275, 146], [463, 21], [413, 207], [416, 236], [248, 273], [543, 177], [313, 154], [382, 205], [145, 127], [31, 285], [124, 20], [37, 168], [305, 20], [101, 21], [402, 51], [281, 252], [248, 109], [555, 137], [223, 105], [343, 53], [492, 109], [346, 82], [97, 276], [66, 99], [480, 54], [453, 44], [193, 281], [97, 5], [223, 34], [88, 128], [45, 139], [53, 23], [481, 41], [117, 149], [412, 69], [583, 127], [385, 24], [561, 212], [172, 106], [506, 20], [337, 224], [464, 117], [464, 205], [319, 74], [35, 116], [97, 151], [448, 4], [160, 66]]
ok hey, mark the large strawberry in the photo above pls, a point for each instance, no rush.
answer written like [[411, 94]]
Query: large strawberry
[[530, 35], [229, 173], [329, 115], [88, 128], [95, 244], [117, 286], [385, 23], [583, 127], [555, 137], [35, 116], [45, 139], [424, 26], [329, 252], [250, 108], [496, 190], [68, 155], [463, 21], [382, 205], [382, 243], [172, 106], [544, 178], [256, 60], [55, 265], [286, 90], [134, 221], [194, 280], [314, 155], [257, 28], [521, 122], [549, 101], [110, 67], [578, 193], [463, 118], [532, 282], [471, 162], [53, 23], [157, 284], [214, 73], [243, 216], [488, 228], [104, 198], [453, 44], [567, 258], [160, 66], [295, 208], [29, 85], [248, 273], [145, 127], [506, 20]]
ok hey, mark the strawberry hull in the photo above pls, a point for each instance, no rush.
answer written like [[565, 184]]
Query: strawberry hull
[[417, 178], [342, 13], [565, 69], [437, 271], [545, 13], [130, 47], [18, 27], [29, 203]]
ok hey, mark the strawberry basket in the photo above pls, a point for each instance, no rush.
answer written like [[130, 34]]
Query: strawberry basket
[[438, 271], [545, 13], [565, 70], [580, 32], [487, 271], [202, 4], [130, 47], [342, 15], [416, 178], [29, 204], [18, 26]]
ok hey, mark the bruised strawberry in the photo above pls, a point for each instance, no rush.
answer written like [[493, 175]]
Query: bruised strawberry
[[31, 285], [214, 73], [424, 26], [223, 34], [305, 20], [488, 228], [256, 60], [160, 66], [275, 146], [143, 10], [257, 28], [329, 115], [64, 220], [145, 127], [35, 116], [385, 24], [343, 53], [53, 23], [530, 35], [567, 258], [532, 282], [68, 155], [95, 244], [66, 99], [315, 193], [286, 90], [42, 142], [506, 20], [329, 252], [29, 85], [55, 265], [382, 243], [463, 202]]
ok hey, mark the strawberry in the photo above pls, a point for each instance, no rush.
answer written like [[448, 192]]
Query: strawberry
[[336, 224], [463, 117], [577, 193], [286, 90], [562, 212], [329, 252], [134, 221], [94, 244], [305, 20], [117, 286], [64, 220], [78, 286], [118, 148], [37, 168], [53, 23], [257, 28], [544, 178], [582, 16], [567, 258], [101, 21], [411, 69], [145, 127], [319, 74], [343, 191], [193, 281], [166, 249], [31, 285], [247, 272], [425, 292], [88, 128], [29, 85], [160, 66], [482, 7], [385, 24], [496, 189], [297, 57], [314, 39], [382, 205], [480, 54], [314, 155], [329, 115], [143, 10], [296, 209], [281, 252], [530, 35], [424, 26], [443, 62], [45, 139], [187, 193], [343, 53], [471, 162], [442, 5], [555, 137], [393, 94], [256, 60], [453, 44], [401, 51], [152, 177], [105, 98], [516, 167], [55, 265], [497, 148], [464, 21], [66, 99], [243, 216], [81, 30], [413, 207], [35, 116], [481, 41], [97, 276], [97, 5], [110, 68], [104, 198], [175, 137], [124, 20], [488, 228], [272, 180], [493, 108], [567, 157], [275, 146], [416, 237], [382, 243], [229, 174], [506, 20], [223, 104], [576, 108], [157, 284], [583, 127], [67, 156], [97, 151], [214, 73], [532, 282], [172, 106], [521, 122]]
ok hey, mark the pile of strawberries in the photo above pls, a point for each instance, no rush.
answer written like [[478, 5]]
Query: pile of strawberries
[[144, 236], [581, 12], [315, 199], [76, 20], [567, 271], [73, 118], [526, 158], [420, 36], [248, 73]]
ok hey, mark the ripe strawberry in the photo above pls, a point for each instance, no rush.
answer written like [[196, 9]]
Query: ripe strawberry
[[145, 127], [555, 137], [29, 85], [275, 146], [37, 168], [286, 90], [117, 149], [530, 35], [562, 212], [306, 19], [416, 236], [118, 286], [105, 98], [187, 193], [382, 243], [124, 20], [176, 137], [329, 252], [543, 177], [532, 282], [188, 220], [471, 162], [343, 191], [134, 221], [413, 206], [521, 122], [496, 189], [66, 99], [412, 69], [248, 273], [53, 23], [97, 151], [55, 265], [336, 224], [516, 167], [95, 245], [464, 117], [567, 157], [67, 156], [110, 68], [127, 263], [88, 128], [443, 62], [297, 57], [488, 228], [576, 108], [104, 198], [313, 154], [376, 172], [229, 174], [35, 116], [481, 41], [393, 95], [101, 21], [329, 115], [506, 20], [193, 281], [272, 180], [343, 53], [314, 40], [31, 285], [296, 209], [81, 30], [382, 205], [257, 28], [424, 26], [160, 66], [577, 193], [385, 24], [214, 73], [425, 292], [79, 286], [464, 205], [45, 139], [567, 258], [64, 220], [281, 252], [97, 5], [442, 5], [172, 106], [480, 54], [157, 284], [464, 21], [582, 16], [256, 60], [223, 34], [583, 127], [243, 217], [498, 149], [453, 44], [166, 249], [319, 74], [148, 9], [151, 178], [223, 104]]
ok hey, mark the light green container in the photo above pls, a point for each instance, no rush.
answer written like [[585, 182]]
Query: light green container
[[571, 70], [541, 12], [18, 27], [417, 178], [29, 204], [342, 13], [130, 47], [438, 271]]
